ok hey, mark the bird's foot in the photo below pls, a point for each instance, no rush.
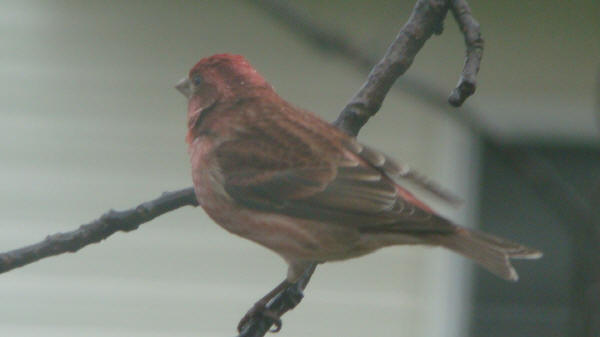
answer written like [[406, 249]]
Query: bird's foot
[[257, 311]]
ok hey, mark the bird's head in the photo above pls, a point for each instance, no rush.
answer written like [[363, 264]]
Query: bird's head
[[218, 78], [223, 75]]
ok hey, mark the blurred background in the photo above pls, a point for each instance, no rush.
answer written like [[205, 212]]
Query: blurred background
[[89, 120]]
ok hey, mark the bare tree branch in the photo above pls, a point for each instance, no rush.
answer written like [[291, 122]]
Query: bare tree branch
[[97, 230], [474, 43], [426, 19]]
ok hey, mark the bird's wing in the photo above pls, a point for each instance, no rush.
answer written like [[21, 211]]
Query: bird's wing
[[319, 181], [400, 173]]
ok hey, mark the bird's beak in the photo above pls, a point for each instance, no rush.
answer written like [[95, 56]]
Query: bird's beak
[[184, 87]]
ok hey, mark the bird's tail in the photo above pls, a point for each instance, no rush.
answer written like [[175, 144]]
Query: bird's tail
[[491, 252]]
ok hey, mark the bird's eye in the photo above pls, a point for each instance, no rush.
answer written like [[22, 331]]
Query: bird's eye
[[197, 80]]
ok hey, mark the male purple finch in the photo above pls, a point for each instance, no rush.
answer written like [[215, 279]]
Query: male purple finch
[[282, 177]]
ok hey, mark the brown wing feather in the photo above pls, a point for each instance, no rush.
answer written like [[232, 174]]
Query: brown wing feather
[[282, 166], [400, 172]]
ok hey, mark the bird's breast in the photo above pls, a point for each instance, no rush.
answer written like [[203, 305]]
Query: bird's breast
[[206, 174]]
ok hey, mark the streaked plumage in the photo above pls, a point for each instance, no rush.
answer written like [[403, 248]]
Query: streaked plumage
[[286, 179]]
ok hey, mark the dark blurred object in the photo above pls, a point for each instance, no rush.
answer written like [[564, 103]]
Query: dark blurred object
[[560, 295], [592, 296]]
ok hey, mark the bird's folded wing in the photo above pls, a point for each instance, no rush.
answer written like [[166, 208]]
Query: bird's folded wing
[[334, 187], [400, 173]]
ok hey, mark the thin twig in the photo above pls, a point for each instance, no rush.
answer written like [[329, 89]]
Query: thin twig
[[474, 43], [327, 39], [426, 19], [97, 230]]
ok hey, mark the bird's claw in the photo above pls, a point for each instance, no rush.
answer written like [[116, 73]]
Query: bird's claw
[[275, 319], [258, 310]]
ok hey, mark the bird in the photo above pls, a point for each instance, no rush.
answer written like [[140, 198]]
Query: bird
[[281, 176]]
